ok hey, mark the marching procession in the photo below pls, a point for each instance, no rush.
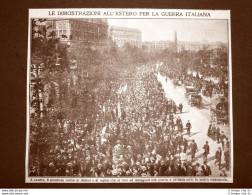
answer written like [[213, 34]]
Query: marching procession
[[140, 130], [106, 106]]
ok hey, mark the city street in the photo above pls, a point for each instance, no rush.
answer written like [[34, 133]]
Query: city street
[[109, 108], [200, 120]]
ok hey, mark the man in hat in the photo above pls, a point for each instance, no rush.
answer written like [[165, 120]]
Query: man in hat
[[194, 149], [180, 126], [209, 131], [218, 134], [199, 172], [185, 144], [188, 127], [207, 151], [179, 139], [162, 168], [176, 170], [227, 158], [178, 121], [189, 169], [98, 170], [183, 169], [222, 137], [213, 132], [206, 169], [218, 157], [195, 167], [175, 109], [180, 107]]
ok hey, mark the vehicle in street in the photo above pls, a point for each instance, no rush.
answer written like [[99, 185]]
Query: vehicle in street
[[195, 100], [219, 110], [190, 90]]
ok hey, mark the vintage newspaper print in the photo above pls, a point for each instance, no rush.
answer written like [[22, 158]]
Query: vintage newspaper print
[[129, 95]]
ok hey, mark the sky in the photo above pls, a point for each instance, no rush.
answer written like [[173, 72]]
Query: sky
[[187, 29]]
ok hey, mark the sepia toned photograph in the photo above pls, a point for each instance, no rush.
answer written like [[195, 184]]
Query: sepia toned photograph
[[112, 99]]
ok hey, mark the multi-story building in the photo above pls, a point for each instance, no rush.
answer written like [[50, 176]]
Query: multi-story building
[[162, 45], [190, 46], [178, 47], [157, 46], [80, 30], [93, 32], [122, 35]]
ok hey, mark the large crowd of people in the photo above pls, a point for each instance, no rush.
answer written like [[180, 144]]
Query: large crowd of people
[[135, 132]]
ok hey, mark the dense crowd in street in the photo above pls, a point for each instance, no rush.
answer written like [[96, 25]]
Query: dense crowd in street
[[135, 132]]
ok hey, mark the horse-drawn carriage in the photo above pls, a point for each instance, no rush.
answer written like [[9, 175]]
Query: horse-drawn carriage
[[193, 96], [195, 100], [219, 111]]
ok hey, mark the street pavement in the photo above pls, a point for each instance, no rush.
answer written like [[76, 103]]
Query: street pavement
[[200, 120]]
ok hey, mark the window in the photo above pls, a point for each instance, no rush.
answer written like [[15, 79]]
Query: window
[[60, 27]]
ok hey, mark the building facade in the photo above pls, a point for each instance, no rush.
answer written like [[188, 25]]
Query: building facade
[[122, 35], [156, 46], [190, 46], [80, 30]]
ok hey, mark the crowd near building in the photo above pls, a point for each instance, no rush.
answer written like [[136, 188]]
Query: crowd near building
[[122, 126], [136, 132]]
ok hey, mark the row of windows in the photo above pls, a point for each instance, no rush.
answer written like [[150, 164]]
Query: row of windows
[[87, 36], [138, 42], [61, 26], [61, 32], [86, 27], [124, 39], [85, 33], [125, 31], [122, 43], [124, 34], [81, 26]]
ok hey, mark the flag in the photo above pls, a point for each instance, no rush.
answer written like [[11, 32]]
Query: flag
[[104, 109], [104, 130], [124, 88], [119, 90], [119, 110]]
